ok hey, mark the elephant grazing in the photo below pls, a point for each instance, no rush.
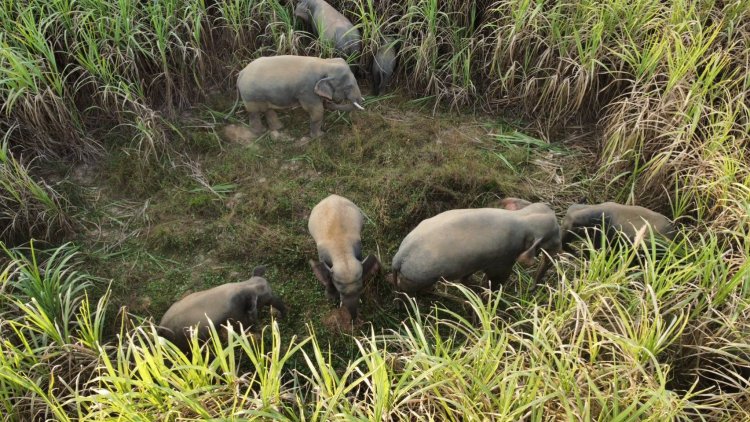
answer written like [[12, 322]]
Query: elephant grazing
[[336, 223], [612, 218], [233, 303], [330, 25], [455, 244], [270, 83], [383, 65]]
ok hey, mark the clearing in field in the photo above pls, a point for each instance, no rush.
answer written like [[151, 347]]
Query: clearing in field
[[123, 189]]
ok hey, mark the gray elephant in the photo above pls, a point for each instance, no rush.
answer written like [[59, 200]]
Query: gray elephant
[[608, 218], [383, 65], [335, 224], [330, 25], [270, 83], [455, 244], [233, 303], [613, 218]]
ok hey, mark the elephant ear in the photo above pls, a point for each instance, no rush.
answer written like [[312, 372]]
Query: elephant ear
[[322, 273], [528, 256], [370, 267], [324, 88], [514, 204], [302, 11]]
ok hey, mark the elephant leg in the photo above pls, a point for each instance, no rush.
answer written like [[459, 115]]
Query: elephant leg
[[256, 125], [315, 109], [273, 123], [498, 275], [376, 82]]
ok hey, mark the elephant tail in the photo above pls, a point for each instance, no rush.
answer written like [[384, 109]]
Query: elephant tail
[[234, 107]]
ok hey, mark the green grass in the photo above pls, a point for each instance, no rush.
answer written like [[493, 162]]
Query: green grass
[[642, 102]]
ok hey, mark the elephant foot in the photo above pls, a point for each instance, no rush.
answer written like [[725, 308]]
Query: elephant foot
[[278, 136]]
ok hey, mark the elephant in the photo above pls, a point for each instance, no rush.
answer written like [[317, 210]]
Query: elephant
[[270, 83], [330, 25], [610, 218], [335, 224], [613, 218], [457, 243], [383, 65], [233, 303]]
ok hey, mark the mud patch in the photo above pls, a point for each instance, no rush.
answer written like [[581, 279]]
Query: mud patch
[[237, 134], [339, 320]]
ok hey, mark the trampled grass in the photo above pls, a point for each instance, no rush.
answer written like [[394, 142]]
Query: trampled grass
[[660, 89]]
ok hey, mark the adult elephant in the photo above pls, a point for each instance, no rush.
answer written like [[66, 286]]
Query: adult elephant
[[270, 83], [330, 25]]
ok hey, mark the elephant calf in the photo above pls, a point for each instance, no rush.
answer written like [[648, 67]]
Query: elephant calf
[[455, 244], [383, 65], [612, 218], [336, 223], [330, 25], [270, 83], [234, 303]]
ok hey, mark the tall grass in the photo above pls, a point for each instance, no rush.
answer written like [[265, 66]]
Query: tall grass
[[667, 81], [28, 206], [605, 343], [634, 335]]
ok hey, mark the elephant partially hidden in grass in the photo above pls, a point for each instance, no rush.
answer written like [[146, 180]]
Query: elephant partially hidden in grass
[[330, 25], [609, 219], [230, 303], [278, 82], [383, 65]]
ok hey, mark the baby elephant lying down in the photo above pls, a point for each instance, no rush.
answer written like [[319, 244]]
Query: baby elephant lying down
[[233, 303], [457, 243]]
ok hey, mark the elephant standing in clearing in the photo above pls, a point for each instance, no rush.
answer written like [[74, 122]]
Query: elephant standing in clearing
[[330, 25], [455, 244], [336, 223], [270, 83], [232, 303], [383, 65]]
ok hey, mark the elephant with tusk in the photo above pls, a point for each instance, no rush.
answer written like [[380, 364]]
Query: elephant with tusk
[[272, 83]]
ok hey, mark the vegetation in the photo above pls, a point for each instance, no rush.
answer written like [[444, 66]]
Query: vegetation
[[132, 94]]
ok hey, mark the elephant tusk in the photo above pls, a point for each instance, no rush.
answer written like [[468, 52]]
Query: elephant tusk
[[358, 106]]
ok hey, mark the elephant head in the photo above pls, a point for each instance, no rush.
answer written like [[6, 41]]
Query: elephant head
[[303, 11], [349, 280], [339, 85]]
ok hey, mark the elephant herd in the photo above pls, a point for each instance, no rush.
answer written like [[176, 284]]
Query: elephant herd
[[271, 83], [452, 245]]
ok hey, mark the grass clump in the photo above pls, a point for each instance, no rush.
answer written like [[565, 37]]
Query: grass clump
[[599, 345], [28, 207]]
